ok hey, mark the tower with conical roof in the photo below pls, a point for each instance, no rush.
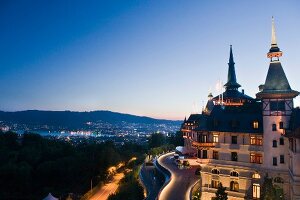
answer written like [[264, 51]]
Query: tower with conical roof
[[276, 96]]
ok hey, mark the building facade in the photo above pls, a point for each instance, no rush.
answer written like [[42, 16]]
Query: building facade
[[239, 140]]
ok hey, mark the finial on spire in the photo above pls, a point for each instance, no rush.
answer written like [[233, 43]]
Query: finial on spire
[[274, 50], [273, 41]]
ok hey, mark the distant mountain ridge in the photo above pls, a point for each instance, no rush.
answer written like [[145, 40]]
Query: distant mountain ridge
[[74, 118]]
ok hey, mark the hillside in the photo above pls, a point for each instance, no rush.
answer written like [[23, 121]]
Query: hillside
[[75, 119]]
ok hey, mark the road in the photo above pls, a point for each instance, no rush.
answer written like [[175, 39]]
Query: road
[[109, 188], [181, 182]]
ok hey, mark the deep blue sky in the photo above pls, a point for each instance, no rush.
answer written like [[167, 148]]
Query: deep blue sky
[[154, 58]]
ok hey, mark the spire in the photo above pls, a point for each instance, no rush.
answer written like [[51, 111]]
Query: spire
[[231, 79], [274, 50]]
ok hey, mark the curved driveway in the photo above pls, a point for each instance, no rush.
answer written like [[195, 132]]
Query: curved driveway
[[181, 182]]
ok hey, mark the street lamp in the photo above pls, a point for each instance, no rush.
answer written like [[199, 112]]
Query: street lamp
[[92, 182]]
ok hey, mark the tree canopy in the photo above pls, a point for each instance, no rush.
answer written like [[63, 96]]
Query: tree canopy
[[32, 166]]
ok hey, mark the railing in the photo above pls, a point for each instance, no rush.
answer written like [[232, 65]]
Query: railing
[[141, 181], [166, 173], [203, 144]]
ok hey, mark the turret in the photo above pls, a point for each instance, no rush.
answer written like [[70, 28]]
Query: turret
[[276, 96]]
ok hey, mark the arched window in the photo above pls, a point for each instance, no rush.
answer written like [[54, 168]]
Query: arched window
[[234, 173], [256, 176], [256, 191], [234, 186], [278, 180], [215, 171]]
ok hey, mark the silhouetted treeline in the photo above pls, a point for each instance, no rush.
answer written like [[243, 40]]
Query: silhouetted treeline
[[32, 166], [159, 139]]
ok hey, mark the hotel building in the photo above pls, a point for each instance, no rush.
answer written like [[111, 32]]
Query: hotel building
[[238, 140]]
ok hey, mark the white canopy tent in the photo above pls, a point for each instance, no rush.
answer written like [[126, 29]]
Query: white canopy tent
[[50, 197], [184, 150]]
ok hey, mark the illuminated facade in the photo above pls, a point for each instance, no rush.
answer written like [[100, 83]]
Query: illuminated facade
[[238, 140]]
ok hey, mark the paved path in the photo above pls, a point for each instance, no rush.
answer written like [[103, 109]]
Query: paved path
[[152, 181], [109, 188], [181, 182]]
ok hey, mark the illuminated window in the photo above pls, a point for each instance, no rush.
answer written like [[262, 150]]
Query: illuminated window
[[256, 191], [256, 176], [259, 140], [234, 173], [215, 171], [256, 140], [234, 186], [215, 138], [215, 183], [256, 158], [253, 140], [255, 124]]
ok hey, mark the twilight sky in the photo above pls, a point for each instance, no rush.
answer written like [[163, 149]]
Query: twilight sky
[[153, 58]]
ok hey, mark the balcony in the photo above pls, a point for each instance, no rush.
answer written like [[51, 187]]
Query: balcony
[[255, 148], [203, 144]]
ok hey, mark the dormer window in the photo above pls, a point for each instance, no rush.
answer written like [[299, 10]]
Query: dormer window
[[255, 124], [234, 173], [215, 171]]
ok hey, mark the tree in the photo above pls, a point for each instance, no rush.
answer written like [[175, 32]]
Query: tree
[[220, 193], [176, 139], [270, 191], [156, 140]]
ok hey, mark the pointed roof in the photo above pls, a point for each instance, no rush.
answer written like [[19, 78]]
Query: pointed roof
[[276, 79], [231, 79], [276, 84]]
